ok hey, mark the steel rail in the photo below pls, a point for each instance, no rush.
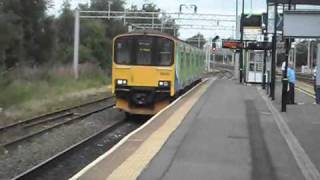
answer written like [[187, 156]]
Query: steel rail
[[28, 136], [56, 157], [52, 115]]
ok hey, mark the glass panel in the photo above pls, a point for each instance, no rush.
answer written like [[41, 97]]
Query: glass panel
[[123, 47], [259, 67], [251, 67], [165, 51], [144, 50]]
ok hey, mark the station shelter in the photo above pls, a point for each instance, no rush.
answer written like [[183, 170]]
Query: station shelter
[[253, 58]]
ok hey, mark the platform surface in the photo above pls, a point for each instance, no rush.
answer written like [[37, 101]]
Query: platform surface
[[222, 131], [212, 142], [226, 136]]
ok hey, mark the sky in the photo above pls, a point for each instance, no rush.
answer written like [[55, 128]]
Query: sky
[[204, 6]]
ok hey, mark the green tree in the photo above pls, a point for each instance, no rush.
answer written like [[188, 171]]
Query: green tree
[[10, 33], [33, 16], [168, 24], [65, 29], [26, 33], [197, 40]]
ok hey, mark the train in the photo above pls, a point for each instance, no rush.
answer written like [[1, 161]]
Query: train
[[150, 69]]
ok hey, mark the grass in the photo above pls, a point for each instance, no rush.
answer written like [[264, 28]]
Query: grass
[[29, 91]]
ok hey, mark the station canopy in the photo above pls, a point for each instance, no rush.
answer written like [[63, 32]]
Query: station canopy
[[304, 2]]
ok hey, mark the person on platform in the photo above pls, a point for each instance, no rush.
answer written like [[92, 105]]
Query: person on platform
[[292, 80], [317, 84], [283, 67], [314, 79]]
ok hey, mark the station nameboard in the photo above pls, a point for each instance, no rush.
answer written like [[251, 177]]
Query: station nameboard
[[232, 44], [302, 24]]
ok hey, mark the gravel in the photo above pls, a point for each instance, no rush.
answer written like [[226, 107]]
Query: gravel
[[19, 158], [68, 165]]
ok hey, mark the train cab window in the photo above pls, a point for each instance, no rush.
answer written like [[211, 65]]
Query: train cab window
[[165, 52], [123, 48], [143, 50]]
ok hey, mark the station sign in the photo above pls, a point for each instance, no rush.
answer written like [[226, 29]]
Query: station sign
[[232, 44], [302, 24]]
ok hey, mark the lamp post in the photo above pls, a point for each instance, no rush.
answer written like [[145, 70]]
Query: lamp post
[[241, 40], [265, 40], [237, 18], [285, 78], [76, 43], [274, 48]]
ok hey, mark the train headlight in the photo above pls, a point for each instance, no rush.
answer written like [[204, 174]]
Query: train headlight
[[164, 83], [121, 82]]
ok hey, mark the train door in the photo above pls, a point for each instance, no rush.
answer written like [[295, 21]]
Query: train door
[[254, 66]]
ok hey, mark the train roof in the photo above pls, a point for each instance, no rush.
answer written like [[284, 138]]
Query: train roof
[[154, 32], [151, 32]]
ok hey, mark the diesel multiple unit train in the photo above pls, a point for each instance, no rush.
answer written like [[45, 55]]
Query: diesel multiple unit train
[[149, 69]]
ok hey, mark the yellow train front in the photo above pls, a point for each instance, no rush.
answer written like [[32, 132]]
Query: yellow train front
[[145, 74]]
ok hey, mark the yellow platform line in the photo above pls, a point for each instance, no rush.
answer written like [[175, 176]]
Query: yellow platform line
[[305, 88], [305, 92], [133, 166]]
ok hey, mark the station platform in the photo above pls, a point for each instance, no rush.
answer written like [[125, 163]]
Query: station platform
[[221, 130]]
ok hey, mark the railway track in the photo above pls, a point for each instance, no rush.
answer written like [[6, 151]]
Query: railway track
[[15, 133], [63, 166], [307, 78], [55, 166]]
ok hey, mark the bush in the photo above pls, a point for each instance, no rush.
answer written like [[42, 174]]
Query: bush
[[28, 83]]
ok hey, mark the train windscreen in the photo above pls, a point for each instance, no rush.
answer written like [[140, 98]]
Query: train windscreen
[[144, 50]]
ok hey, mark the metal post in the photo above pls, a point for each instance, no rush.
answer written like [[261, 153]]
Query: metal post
[[152, 20], [199, 40], [233, 58], [124, 17], [208, 57], [318, 63], [109, 8], [237, 18], [309, 55], [265, 39], [241, 40], [76, 43], [274, 53], [161, 23], [285, 78], [236, 66], [294, 57]]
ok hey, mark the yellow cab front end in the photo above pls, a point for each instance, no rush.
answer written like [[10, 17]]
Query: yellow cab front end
[[143, 73]]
